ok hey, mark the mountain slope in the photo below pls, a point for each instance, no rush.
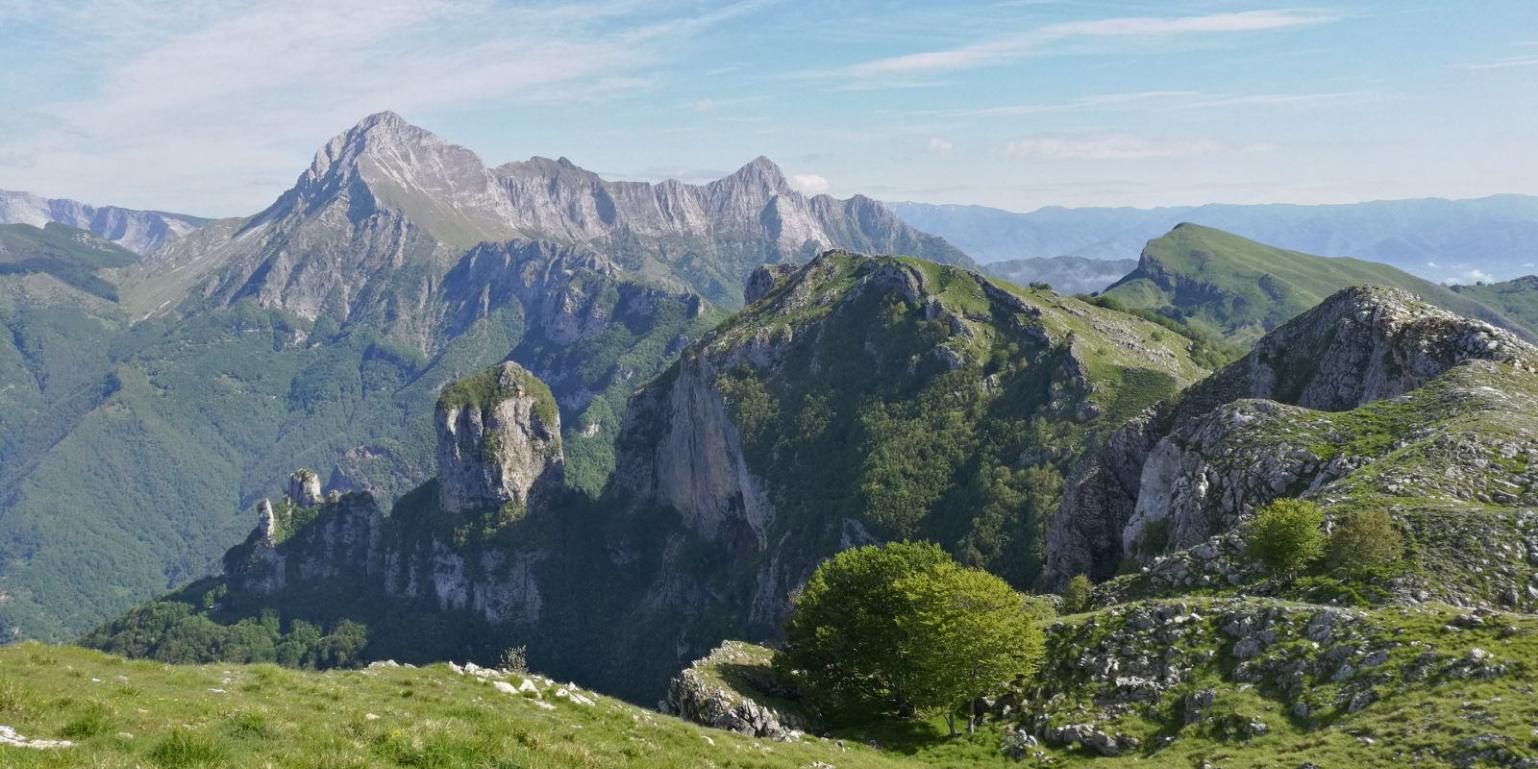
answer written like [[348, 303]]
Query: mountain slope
[[139, 231], [1432, 238], [1237, 289], [1515, 299]]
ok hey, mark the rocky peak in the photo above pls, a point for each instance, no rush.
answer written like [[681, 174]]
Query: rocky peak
[[761, 173], [1360, 345], [499, 440]]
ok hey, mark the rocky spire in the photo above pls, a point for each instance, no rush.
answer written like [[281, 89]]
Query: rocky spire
[[266, 524], [499, 440], [304, 488]]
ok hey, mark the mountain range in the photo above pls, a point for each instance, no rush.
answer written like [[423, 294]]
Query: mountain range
[[319, 331], [138, 231], [1494, 238]]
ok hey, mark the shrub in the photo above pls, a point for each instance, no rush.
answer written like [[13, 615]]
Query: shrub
[[1364, 542], [1076, 594], [515, 659], [1286, 536], [903, 628]]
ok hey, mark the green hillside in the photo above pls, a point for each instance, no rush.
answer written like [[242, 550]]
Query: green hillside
[[74, 257], [1237, 289], [1516, 299], [1374, 687]]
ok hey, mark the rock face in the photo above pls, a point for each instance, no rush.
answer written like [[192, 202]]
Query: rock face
[[499, 441], [139, 231], [499, 445], [1197, 463]]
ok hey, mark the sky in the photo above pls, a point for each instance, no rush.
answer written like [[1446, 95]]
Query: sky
[[214, 107]]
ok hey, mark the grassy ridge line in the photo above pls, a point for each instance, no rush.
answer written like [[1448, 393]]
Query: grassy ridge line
[[1238, 289]]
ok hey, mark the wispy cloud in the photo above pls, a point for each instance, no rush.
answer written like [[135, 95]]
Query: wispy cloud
[[940, 145], [1116, 146], [999, 50], [1506, 63], [1161, 101]]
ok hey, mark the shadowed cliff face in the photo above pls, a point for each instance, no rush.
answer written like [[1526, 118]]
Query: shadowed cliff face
[[1185, 466]]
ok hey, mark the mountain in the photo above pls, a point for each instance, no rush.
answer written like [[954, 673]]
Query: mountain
[[1440, 240], [1065, 274], [320, 330], [1373, 399], [138, 231], [1236, 289], [856, 399], [387, 194], [731, 479]]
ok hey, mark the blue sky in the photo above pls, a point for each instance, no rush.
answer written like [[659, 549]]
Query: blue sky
[[214, 107]]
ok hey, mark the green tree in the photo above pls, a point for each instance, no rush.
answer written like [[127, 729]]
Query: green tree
[[1076, 594], [904, 628], [1364, 541], [1286, 536]]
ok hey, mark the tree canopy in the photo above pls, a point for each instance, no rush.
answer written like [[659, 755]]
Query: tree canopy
[[904, 628]]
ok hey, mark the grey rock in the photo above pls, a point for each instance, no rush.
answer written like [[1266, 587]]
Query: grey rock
[[503, 450]]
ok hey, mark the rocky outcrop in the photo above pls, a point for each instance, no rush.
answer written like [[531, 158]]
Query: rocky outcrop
[[499, 441], [1186, 464], [1214, 471], [703, 694], [1190, 659], [763, 280]]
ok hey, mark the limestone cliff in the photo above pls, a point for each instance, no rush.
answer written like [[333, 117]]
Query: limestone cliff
[[1197, 464], [499, 455], [499, 441], [791, 431]]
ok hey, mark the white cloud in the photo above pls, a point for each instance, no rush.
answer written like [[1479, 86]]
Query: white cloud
[[704, 105], [1104, 147], [809, 184], [991, 52], [213, 98], [941, 146]]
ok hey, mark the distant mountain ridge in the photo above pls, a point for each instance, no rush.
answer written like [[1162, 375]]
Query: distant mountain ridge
[[1433, 238], [386, 193], [137, 231]]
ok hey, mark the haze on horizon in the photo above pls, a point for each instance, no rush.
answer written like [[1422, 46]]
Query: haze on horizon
[[1010, 103]]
